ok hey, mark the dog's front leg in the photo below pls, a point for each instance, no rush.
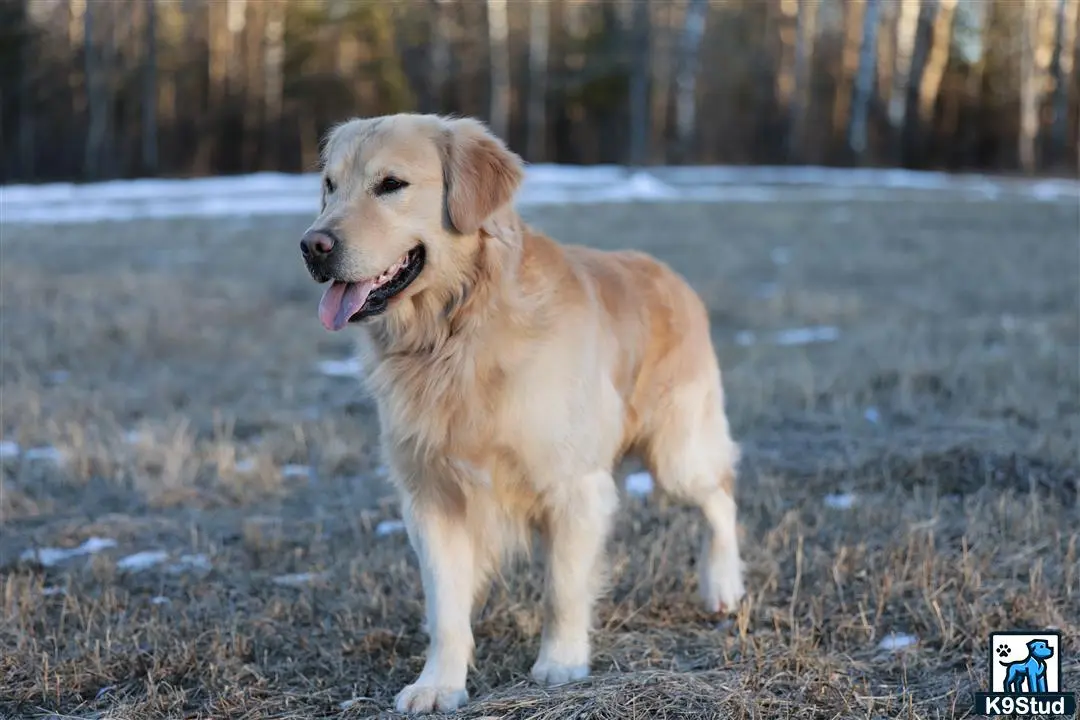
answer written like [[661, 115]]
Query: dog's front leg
[[449, 572]]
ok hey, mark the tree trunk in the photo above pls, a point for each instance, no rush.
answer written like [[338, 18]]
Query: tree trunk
[[854, 11], [640, 126], [907, 23], [96, 100], [27, 86], [864, 82], [1061, 70], [787, 32], [686, 77], [938, 60], [439, 53], [660, 70], [273, 82], [1029, 93], [539, 37], [924, 35], [150, 92], [498, 32], [805, 35]]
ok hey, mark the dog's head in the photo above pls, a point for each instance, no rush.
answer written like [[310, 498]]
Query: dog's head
[[1040, 649], [403, 201]]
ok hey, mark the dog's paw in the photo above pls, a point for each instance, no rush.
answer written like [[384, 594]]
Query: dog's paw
[[547, 672], [417, 698], [723, 589]]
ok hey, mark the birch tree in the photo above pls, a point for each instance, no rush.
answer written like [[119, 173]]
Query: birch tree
[[864, 81], [686, 77], [498, 31], [539, 38]]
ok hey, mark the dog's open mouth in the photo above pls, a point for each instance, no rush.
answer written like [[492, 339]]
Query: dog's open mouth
[[345, 302]]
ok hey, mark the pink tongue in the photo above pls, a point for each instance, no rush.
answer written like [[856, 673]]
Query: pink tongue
[[341, 301]]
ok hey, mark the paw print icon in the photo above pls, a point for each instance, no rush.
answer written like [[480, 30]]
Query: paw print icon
[[1003, 651]]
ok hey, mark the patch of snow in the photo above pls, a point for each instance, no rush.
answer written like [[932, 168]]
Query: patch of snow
[[160, 600], [190, 563], [8, 449], [807, 335], [340, 368], [897, 641], [872, 415], [745, 338], [280, 194], [299, 579], [296, 471], [639, 484], [44, 454], [51, 590], [791, 337], [246, 465], [389, 527], [780, 256], [348, 703], [49, 557], [142, 560], [840, 501], [134, 437]]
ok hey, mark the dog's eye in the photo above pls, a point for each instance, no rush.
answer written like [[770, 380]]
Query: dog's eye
[[329, 185], [390, 184]]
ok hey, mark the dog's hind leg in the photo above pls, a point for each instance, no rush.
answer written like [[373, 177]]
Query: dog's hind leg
[[575, 532], [690, 452]]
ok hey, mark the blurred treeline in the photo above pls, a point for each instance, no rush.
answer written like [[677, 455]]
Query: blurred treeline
[[95, 89]]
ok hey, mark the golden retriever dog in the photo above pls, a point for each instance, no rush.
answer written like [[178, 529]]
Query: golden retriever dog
[[511, 373]]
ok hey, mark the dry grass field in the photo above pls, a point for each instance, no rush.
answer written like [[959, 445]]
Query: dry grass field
[[910, 483]]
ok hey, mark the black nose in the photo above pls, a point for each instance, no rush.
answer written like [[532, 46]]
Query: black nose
[[317, 244]]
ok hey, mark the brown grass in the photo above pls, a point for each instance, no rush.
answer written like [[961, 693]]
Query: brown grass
[[959, 327]]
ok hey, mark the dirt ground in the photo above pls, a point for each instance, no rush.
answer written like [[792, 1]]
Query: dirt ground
[[910, 484]]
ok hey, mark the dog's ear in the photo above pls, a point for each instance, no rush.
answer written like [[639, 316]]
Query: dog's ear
[[480, 173]]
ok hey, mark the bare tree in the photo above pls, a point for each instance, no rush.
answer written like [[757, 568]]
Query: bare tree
[[686, 77], [938, 59], [639, 84], [539, 37], [906, 29], [1061, 70], [864, 81], [661, 65], [805, 34], [498, 32], [924, 36], [150, 91]]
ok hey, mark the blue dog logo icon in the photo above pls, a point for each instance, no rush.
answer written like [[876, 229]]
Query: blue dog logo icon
[[1031, 671]]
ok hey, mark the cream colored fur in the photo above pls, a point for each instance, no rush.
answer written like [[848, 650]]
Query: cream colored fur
[[510, 377]]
